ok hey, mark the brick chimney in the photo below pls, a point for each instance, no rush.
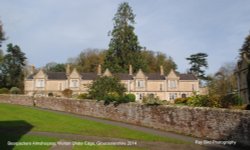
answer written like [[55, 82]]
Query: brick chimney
[[130, 70], [161, 70], [99, 70]]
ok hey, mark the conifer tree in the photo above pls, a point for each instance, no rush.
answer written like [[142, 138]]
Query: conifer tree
[[124, 48]]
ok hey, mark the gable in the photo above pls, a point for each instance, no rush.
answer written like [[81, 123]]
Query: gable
[[172, 75], [107, 73], [140, 74], [40, 74], [74, 74]]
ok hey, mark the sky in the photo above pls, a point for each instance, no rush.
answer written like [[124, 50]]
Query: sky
[[55, 30]]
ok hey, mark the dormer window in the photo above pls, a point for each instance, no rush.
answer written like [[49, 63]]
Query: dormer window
[[40, 83], [74, 83], [140, 84]]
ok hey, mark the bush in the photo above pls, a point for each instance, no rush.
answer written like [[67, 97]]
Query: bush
[[231, 100], [128, 98], [202, 101], [151, 100], [50, 94], [181, 100], [67, 93], [112, 97], [83, 96], [103, 87], [15, 90], [4, 91]]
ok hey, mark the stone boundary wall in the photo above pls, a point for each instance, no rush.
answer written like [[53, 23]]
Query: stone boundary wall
[[207, 123]]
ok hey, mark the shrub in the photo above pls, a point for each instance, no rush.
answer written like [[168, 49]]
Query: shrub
[[180, 100], [4, 91], [67, 93], [151, 100], [83, 96], [103, 87], [202, 101], [231, 100], [50, 94], [15, 90], [128, 98]]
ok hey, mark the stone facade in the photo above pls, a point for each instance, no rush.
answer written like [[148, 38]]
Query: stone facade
[[243, 75], [206, 123], [166, 87]]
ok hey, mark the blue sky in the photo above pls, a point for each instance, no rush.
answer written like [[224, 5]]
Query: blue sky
[[55, 30]]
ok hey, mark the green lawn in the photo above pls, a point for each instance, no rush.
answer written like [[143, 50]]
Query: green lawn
[[27, 118]]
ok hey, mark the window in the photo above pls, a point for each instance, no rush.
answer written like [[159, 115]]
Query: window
[[172, 96], [172, 84], [183, 95], [40, 83], [140, 84], [74, 83]]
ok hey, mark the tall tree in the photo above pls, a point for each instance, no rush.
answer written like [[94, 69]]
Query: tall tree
[[124, 48], [198, 63], [246, 46], [55, 67], [2, 38], [154, 60], [11, 70]]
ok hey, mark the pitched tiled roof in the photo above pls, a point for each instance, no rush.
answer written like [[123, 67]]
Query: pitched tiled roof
[[155, 76], [187, 77], [121, 76], [57, 75], [124, 76], [89, 76]]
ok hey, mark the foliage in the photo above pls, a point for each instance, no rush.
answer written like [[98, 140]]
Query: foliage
[[67, 93], [151, 100], [11, 69], [124, 48], [154, 60], [4, 91], [181, 100], [50, 94], [83, 96], [15, 90], [129, 98], [231, 100], [88, 60], [202, 101], [55, 67], [2, 38], [106, 88], [246, 46], [198, 62]]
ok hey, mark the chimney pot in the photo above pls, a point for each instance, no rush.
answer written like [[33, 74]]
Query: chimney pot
[[99, 70], [130, 70]]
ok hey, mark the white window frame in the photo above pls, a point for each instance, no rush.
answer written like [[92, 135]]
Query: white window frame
[[40, 83], [74, 83], [140, 83], [172, 84]]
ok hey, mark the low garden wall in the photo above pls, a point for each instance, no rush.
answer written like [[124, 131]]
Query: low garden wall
[[207, 123]]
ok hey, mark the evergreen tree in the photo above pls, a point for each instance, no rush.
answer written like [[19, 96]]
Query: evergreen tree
[[11, 70], [246, 46], [1, 34], [124, 48], [198, 62]]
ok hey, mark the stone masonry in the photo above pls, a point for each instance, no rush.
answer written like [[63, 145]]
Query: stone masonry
[[207, 123]]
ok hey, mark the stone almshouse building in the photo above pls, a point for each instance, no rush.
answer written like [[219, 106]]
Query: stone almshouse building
[[166, 87]]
